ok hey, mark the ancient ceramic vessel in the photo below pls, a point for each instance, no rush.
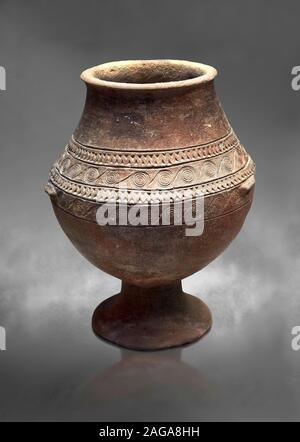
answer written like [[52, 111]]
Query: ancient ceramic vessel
[[151, 131]]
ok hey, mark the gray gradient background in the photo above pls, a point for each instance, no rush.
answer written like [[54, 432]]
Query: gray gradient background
[[54, 367]]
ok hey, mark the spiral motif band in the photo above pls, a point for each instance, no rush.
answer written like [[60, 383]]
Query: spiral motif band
[[222, 164]]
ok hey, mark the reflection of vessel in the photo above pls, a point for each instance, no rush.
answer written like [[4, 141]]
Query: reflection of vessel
[[144, 381], [151, 131]]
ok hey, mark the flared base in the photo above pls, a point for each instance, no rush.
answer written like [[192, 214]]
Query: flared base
[[153, 318]]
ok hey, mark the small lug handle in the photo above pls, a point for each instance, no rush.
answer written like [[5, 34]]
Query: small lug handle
[[247, 185], [50, 189]]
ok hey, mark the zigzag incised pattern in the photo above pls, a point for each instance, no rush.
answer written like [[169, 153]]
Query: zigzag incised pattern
[[147, 159]]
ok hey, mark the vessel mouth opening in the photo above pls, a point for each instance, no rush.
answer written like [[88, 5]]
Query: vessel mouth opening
[[148, 74]]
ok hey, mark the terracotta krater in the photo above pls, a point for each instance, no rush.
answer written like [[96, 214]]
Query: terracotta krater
[[151, 131]]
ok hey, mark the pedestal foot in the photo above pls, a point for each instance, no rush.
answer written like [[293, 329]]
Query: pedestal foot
[[155, 318]]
